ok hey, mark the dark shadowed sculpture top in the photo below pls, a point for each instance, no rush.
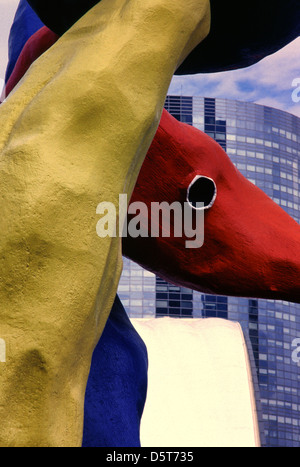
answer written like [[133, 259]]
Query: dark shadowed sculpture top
[[242, 33]]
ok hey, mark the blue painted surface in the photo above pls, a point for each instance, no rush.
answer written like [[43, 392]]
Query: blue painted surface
[[25, 24], [117, 385]]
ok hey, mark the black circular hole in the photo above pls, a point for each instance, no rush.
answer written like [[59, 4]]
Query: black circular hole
[[202, 190]]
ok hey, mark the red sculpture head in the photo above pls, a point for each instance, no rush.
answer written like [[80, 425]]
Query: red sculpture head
[[251, 246]]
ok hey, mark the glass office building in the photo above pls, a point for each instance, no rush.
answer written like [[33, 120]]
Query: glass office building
[[264, 144]]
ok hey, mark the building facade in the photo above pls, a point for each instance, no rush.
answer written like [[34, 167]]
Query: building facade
[[264, 144]]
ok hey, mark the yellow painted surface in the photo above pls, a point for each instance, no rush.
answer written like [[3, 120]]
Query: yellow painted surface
[[200, 389], [73, 134]]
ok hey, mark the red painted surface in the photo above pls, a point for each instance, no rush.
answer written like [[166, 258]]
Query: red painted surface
[[251, 245], [36, 45]]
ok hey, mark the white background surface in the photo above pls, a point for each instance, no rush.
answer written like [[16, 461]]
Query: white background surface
[[200, 390]]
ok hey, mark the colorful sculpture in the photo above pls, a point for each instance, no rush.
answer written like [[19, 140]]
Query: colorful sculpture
[[236, 259], [221, 267], [55, 168]]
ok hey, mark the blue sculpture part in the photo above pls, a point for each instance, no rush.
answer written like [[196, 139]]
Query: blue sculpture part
[[25, 24], [117, 385]]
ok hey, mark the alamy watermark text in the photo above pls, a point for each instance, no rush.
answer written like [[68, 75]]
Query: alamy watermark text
[[166, 220], [296, 92]]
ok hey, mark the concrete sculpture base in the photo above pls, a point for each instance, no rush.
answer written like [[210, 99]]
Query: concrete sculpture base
[[200, 387]]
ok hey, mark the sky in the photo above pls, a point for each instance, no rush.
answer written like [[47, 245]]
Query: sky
[[272, 82]]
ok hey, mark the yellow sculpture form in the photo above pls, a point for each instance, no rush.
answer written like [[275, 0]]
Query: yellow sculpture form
[[74, 133]]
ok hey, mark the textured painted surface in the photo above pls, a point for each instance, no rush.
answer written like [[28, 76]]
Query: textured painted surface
[[117, 384], [200, 391], [251, 245], [59, 158], [242, 33], [33, 48]]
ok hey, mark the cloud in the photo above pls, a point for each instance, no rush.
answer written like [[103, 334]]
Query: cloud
[[268, 82]]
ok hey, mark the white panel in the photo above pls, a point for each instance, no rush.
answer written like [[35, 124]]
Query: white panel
[[200, 390]]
